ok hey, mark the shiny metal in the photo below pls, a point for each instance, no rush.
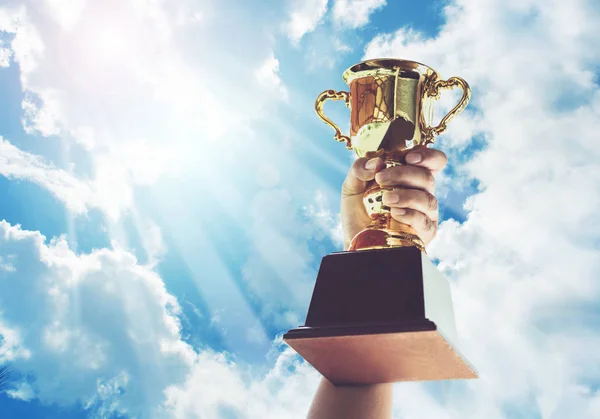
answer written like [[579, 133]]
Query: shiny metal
[[434, 92], [383, 232], [391, 111], [333, 95]]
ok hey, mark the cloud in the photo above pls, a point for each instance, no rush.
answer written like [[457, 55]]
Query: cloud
[[328, 222], [6, 264], [22, 392], [77, 195], [5, 54], [40, 115], [523, 265], [304, 17], [106, 327], [525, 262], [95, 320], [285, 392], [267, 75], [127, 94], [355, 13], [65, 12]]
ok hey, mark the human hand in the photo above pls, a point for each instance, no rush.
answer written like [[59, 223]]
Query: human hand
[[411, 199]]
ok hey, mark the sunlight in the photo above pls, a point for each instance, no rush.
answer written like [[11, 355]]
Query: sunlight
[[108, 43], [99, 53], [231, 313]]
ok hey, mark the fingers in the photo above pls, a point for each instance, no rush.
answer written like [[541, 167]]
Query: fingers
[[412, 199], [408, 176], [422, 162], [428, 158], [362, 171], [424, 226]]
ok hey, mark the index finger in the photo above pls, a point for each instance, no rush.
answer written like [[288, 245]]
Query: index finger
[[429, 158]]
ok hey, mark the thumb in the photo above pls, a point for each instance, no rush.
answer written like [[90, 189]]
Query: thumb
[[362, 171]]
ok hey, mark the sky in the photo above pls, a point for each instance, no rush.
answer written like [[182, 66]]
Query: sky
[[167, 193]]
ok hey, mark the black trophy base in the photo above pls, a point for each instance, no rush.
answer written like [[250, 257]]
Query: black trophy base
[[380, 316]]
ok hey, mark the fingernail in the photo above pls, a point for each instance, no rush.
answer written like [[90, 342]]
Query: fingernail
[[382, 176], [372, 164], [390, 197], [413, 158], [398, 211]]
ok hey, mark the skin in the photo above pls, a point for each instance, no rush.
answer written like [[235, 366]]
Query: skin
[[411, 199], [412, 202]]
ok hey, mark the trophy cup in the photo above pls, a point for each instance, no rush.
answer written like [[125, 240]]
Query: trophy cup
[[381, 311]]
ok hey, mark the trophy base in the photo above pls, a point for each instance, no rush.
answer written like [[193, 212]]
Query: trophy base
[[379, 316], [386, 354]]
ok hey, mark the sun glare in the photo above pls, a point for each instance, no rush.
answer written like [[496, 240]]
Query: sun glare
[[109, 43], [105, 44], [98, 53]]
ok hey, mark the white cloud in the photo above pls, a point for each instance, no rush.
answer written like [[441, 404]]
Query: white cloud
[[355, 13], [108, 329], [17, 164], [120, 81], [304, 17], [525, 263], [22, 392], [154, 243], [26, 46], [41, 116], [267, 75], [285, 392], [110, 189], [5, 54], [6, 263], [65, 12], [92, 319], [327, 222]]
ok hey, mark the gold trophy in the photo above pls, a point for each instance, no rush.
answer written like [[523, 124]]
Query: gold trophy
[[381, 311]]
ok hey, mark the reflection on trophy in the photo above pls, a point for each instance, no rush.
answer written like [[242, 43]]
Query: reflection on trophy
[[381, 311]]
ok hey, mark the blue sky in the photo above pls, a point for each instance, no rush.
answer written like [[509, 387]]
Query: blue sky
[[168, 192]]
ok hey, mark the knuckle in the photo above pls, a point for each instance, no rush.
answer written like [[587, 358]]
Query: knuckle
[[413, 199], [358, 170], [428, 224], [407, 198], [432, 203], [430, 180], [400, 175], [398, 171], [443, 157], [358, 164], [437, 155]]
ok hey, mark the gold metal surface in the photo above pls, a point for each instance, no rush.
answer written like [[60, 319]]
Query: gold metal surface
[[434, 92], [391, 111], [333, 95], [383, 232]]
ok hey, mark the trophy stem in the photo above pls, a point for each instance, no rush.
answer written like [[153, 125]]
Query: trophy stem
[[384, 232]]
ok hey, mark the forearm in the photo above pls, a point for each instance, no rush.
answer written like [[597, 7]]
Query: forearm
[[352, 402]]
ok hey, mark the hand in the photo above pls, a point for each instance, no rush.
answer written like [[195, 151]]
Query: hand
[[412, 199]]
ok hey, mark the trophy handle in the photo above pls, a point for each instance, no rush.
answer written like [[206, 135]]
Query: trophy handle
[[434, 91], [333, 95]]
